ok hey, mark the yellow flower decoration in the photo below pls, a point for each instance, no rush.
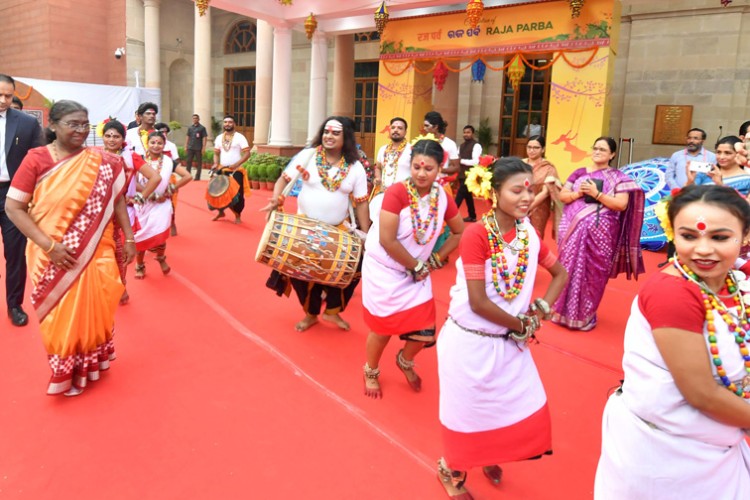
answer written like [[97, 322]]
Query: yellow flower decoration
[[660, 210], [425, 137], [479, 182], [100, 127]]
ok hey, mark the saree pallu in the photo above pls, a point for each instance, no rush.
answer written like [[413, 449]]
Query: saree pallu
[[74, 204], [543, 174], [595, 244]]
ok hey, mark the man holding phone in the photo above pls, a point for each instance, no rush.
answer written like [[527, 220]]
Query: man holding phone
[[694, 152]]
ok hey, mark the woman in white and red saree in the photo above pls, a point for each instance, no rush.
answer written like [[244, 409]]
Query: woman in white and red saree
[[64, 198]]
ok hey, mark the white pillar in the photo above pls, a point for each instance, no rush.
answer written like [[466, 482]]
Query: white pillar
[[151, 40], [263, 81], [202, 66], [318, 84], [343, 76], [281, 113]]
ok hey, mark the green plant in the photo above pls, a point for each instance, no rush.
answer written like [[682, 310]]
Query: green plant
[[216, 126], [262, 172], [274, 172], [175, 125], [181, 153], [484, 135], [252, 171], [208, 156]]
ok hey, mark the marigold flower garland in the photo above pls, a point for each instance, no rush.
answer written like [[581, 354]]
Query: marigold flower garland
[[331, 184], [419, 226], [739, 328]]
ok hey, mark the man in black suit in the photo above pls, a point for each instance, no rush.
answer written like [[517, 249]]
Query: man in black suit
[[19, 132]]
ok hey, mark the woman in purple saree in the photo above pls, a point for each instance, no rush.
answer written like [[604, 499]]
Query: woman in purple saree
[[599, 235]]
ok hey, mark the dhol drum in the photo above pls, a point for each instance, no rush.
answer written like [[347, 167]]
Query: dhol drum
[[222, 191], [310, 250]]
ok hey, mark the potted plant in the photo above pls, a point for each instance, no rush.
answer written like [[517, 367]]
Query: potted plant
[[208, 159], [262, 174], [252, 173], [274, 172], [181, 153]]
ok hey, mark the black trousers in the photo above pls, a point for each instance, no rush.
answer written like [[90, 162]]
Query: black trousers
[[239, 202], [465, 194], [310, 295], [14, 246], [190, 155]]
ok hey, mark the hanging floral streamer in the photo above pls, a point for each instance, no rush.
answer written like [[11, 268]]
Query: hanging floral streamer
[[202, 6], [440, 74], [285, 2], [310, 25], [575, 8], [412, 63], [381, 18], [477, 71], [474, 11], [516, 71]]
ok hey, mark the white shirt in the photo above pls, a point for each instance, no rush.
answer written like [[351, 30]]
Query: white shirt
[[391, 174], [476, 152], [4, 172], [134, 142], [227, 158], [450, 150]]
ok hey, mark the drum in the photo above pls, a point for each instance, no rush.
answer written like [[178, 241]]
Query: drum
[[310, 250], [222, 191]]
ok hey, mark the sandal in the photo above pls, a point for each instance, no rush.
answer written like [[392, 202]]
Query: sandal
[[406, 366], [140, 271], [162, 260], [494, 473], [372, 374], [453, 481]]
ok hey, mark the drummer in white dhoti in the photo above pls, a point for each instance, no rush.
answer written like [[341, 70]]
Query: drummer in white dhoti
[[332, 178], [493, 408], [231, 150], [396, 285]]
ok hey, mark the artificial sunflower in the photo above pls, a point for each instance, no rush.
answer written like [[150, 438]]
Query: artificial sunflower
[[479, 182]]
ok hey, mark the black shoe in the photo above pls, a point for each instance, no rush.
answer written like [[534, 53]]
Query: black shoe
[[17, 316], [470, 219]]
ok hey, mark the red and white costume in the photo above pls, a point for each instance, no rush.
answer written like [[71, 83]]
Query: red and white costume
[[394, 304], [493, 407], [654, 443], [155, 217]]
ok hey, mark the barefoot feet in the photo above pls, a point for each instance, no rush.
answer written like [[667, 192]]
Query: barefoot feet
[[125, 298], [494, 473], [220, 215], [337, 320], [140, 271], [163, 263], [372, 386], [453, 482], [308, 321]]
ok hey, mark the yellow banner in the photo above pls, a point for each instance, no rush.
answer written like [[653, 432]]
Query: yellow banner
[[545, 27]]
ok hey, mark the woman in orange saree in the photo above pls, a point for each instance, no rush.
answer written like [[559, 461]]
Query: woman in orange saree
[[64, 198], [547, 187]]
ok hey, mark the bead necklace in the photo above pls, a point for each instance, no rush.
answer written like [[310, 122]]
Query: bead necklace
[[739, 328], [226, 144], [513, 282], [419, 226], [331, 184], [391, 156]]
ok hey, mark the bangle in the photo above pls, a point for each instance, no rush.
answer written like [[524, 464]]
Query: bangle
[[599, 195], [129, 241], [50, 247]]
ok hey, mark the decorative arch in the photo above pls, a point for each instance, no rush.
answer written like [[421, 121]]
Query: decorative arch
[[241, 38]]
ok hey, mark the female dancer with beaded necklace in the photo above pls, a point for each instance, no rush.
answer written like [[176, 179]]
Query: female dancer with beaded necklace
[[155, 218], [396, 286], [113, 138], [493, 407], [677, 426]]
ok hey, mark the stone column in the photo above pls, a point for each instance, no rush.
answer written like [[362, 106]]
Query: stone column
[[263, 81], [343, 76], [318, 84], [202, 67], [281, 113], [446, 103], [151, 40]]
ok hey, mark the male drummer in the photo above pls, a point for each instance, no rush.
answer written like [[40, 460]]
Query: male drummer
[[332, 175], [393, 163], [231, 150]]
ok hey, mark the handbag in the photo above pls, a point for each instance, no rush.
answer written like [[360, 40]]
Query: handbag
[[599, 186]]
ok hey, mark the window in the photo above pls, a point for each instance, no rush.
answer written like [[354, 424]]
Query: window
[[241, 38], [370, 36]]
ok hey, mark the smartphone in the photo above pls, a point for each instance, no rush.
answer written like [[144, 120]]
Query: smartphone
[[700, 166]]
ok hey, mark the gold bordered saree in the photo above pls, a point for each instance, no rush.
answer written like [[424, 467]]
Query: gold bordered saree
[[73, 202]]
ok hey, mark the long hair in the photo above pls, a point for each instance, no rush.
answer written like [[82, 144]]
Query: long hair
[[349, 149], [436, 119]]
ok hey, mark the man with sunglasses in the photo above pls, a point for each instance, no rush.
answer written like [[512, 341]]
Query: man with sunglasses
[[19, 132]]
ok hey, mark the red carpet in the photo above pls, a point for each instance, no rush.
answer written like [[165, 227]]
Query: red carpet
[[214, 395]]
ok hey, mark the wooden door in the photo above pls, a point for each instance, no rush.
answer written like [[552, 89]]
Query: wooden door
[[366, 105], [239, 99], [524, 112]]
